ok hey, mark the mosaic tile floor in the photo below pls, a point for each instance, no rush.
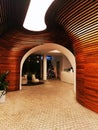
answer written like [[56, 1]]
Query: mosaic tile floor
[[49, 106]]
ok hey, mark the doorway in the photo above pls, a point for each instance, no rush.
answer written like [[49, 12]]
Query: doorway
[[48, 47]]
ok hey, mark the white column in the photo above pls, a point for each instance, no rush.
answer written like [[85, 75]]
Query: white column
[[44, 68]]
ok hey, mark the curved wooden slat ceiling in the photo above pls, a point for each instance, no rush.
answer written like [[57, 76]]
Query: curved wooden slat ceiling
[[79, 18], [71, 23]]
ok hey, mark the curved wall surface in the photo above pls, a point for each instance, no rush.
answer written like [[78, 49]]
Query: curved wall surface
[[80, 20], [14, 45]]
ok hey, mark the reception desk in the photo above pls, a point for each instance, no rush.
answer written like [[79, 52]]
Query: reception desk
[[67, 76]]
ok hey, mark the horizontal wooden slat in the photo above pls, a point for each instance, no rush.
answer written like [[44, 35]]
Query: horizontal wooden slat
[[78, 20]]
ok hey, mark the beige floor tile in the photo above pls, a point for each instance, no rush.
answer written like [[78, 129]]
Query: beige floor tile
[[49, 106]]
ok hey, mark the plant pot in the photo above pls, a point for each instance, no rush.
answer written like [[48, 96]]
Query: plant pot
[[2, 96]]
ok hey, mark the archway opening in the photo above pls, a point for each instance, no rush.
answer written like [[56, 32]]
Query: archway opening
[[50, 47]]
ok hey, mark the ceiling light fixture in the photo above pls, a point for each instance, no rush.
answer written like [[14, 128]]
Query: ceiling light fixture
[[54, 51], [34, 20]]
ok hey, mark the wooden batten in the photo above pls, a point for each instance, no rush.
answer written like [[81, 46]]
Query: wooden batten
[[79, 20]]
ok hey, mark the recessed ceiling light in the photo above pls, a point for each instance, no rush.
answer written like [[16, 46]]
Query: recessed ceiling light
[[54, 51]]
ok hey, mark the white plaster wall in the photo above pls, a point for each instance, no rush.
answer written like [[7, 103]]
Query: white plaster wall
[[55, 60], [67, 77], [65, 63]]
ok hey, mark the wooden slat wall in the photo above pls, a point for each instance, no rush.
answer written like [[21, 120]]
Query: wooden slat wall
[[13, 46], [12, 13], [80, 20], [10, 62]]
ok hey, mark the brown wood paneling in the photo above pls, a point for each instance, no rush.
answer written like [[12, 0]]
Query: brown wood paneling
[[79, 21], [13, 46]]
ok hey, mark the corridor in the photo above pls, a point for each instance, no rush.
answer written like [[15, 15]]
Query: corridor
[[49, 106]]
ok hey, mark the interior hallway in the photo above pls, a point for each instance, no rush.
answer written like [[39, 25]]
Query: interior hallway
[[49, 106]]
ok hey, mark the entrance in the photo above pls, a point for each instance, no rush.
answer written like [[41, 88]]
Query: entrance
[[48, 47]]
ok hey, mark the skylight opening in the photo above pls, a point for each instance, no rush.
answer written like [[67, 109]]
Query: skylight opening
[[35, 17]]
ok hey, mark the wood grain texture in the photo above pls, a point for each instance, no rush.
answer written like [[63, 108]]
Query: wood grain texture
[[80, 35], [80, 20]]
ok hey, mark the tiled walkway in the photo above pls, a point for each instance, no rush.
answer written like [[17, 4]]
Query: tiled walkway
[[49, 106]]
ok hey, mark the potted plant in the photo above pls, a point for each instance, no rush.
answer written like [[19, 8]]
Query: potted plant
[[3, 86]]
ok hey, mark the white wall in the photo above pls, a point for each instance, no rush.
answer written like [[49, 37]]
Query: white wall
[[66, 76], [54, 61], [65, 63]]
